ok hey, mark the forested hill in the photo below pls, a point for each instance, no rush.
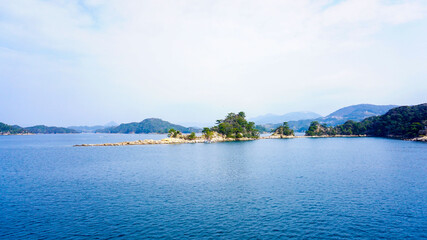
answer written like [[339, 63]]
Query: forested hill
[[149, 125], [401, 122], [42, 129], [6, 129]]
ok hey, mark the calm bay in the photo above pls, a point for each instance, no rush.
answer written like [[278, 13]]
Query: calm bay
[[365, 188]]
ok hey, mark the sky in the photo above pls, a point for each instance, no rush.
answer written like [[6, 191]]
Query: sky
[[89, 62]]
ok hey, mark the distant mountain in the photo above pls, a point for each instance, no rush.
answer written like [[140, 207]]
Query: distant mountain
[[39, 129], [6, 129], [354, 112], [360, 112], [111, 124], [42, 129], [149, 125], [87, 129], [91, 129], [292, 116]]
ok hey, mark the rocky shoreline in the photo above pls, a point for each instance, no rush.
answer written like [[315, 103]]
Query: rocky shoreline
[[202, 140], [166, 141], [15, 134], [221, 139], [419, 139]]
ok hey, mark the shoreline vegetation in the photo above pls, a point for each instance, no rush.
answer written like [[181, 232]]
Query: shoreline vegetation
[[170, 140], [6, 129], [406, 123]]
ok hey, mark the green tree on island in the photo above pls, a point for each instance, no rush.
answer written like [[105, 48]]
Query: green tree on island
[[192, 136], [317, 129], [236, 126], [173, 133], [284, 130], [207, 133], [311, 131]]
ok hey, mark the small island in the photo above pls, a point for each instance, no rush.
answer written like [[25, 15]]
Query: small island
[[233, 128], [282, 131], [406, 123]]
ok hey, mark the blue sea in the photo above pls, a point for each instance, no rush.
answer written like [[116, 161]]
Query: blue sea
[[326, 188]]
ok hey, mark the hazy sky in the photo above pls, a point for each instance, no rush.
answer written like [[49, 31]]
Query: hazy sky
[[90, 62]]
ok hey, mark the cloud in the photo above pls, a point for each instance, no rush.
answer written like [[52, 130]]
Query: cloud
[[183, 51]]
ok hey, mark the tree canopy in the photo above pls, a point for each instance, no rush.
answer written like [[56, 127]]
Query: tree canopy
[[400, 122], [284, 130], [236, 126]]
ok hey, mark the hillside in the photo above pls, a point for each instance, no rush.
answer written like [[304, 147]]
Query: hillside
[[360, 111], [39, 129], [354, 113], [402, 122], [42, 129], [6, 129], [292, 116], [149, 125]]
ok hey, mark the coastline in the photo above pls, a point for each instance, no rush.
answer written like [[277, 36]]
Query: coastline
[[25, 134], [322, 136], [166, 141], [16, 134], [418, 139], [213, 140], [202, 140]]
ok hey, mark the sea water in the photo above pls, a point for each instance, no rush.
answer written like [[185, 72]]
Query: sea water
[[340, 188]]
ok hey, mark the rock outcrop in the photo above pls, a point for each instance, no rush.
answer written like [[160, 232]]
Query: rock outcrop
[[178, 140]]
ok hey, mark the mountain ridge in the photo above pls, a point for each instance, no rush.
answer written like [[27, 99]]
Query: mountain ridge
[[360, 110], [91, 129], [291, 116], [356, 112], [43, 129], [404, 122], [6, 129], [149, 125]]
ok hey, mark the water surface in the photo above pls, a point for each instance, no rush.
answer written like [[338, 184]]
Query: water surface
[[365, 188]]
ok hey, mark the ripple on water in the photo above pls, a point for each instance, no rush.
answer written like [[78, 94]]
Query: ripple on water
[[365, 188]]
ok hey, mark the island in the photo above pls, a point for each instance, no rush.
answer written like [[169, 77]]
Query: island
[[234, 127], [406, 123], [282, 131]]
